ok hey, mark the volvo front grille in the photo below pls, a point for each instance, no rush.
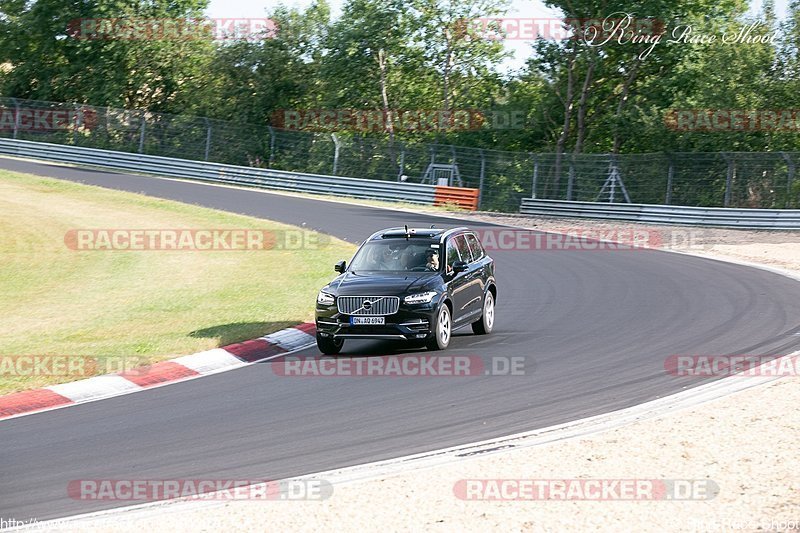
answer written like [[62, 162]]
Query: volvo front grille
[[368, 305]]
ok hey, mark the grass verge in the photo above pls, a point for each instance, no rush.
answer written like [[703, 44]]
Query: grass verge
[[146, 305]]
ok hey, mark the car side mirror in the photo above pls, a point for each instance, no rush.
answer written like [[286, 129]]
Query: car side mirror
[[340, 267], [460, 266]]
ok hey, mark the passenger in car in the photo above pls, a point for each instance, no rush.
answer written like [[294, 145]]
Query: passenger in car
[[409, 259]]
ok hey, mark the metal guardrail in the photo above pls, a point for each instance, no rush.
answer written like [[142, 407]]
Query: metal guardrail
[[666, 214], [203, 171], [389, 190], [764, 180]]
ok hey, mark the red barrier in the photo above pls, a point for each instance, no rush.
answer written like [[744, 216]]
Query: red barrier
[[460, 196]]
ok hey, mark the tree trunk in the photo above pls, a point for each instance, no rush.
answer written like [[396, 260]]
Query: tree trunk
[[565, 128], [581, 121], [623, 98], [386, 111]]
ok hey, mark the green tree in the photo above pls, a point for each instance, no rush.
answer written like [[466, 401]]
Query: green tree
[[250, 80], [50, 62], [462, 63]]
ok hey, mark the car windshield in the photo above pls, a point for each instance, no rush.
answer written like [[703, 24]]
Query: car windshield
[[398, 255]]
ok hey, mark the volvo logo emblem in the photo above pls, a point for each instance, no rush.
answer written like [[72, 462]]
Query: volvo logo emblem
[[367, 305]]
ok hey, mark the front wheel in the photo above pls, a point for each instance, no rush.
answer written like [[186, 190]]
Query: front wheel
[[441, 332], [486, 322], [329, 345]]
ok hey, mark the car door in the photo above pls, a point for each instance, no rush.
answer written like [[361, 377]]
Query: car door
[[473, 283], [481, 263], [457, 283]]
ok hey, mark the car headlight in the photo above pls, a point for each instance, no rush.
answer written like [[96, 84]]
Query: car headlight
[[421, 298], [324, 298]]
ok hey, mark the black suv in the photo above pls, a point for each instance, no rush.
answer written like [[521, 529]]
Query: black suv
[[409, 284]]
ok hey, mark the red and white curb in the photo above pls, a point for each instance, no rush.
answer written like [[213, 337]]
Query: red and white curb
[[162, 373]]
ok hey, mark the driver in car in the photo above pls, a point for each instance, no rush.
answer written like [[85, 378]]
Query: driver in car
[[433, 261]]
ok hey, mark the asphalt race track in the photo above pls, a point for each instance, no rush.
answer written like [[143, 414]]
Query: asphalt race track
[[594, 326]]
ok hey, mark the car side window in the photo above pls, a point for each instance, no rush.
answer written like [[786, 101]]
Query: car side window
[[452, 254], [463, 249], [475, 247]]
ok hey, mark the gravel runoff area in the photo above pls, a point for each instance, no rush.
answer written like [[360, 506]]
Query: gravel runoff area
[[745, 443]]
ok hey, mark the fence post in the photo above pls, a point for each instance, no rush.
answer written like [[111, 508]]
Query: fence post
[[728, 180], [480, 183], [335, 153], [208, 137], [271, 145], [16, 118], [789, 179], [535, 175], [402, 163], [571, 179], [455, 164], [670, 177], [75, 126], [141, 135]]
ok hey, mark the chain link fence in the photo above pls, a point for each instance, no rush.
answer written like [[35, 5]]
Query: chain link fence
[[736, 179]]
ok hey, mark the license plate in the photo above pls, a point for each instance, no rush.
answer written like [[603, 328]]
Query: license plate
[[367, 320]]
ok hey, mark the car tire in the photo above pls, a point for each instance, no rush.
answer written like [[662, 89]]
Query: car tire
[[443, 329], [485, 324], [328, 345]]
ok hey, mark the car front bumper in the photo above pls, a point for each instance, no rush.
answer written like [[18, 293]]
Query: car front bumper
[[410, 322]]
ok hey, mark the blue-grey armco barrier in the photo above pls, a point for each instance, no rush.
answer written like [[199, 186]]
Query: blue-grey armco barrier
[[199, 170], [666, 214]]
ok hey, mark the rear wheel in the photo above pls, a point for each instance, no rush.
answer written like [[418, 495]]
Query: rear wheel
[[442, 330], [486, 322], [328, 345]]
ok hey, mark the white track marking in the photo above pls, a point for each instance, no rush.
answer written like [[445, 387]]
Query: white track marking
[[540, 437]]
